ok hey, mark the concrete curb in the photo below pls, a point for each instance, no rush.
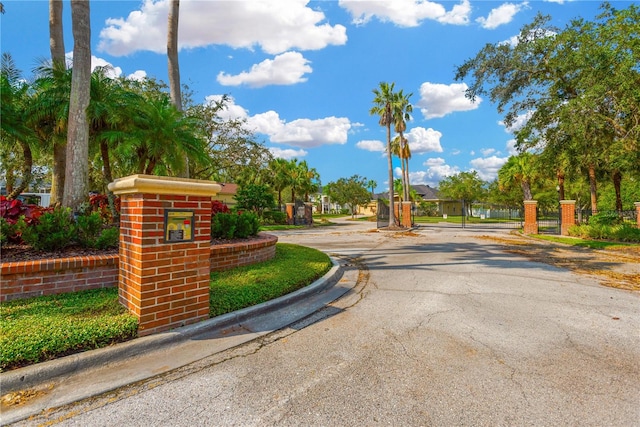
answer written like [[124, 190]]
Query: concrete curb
[[34, 375]]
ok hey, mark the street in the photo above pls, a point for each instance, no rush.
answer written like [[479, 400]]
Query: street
[[445, 329]]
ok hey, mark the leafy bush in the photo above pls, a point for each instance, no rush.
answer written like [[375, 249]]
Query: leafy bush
[[92, 234], [109, 238], [223, 225], [605, 218], [274, 217], [232, 225], [248, 225], [54, 230], [100, 203], [626, 233], [8, 231], [622, 232]]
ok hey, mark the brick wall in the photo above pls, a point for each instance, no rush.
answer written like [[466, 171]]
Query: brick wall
[[53, 276], [226, 256]]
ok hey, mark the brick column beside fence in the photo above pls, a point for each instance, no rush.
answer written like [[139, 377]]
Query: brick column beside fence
[[291, 208], [637, 204], [568, 216], [406, 214], [530, 217], [163, 276]]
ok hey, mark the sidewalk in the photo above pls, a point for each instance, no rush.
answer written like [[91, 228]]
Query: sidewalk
[[80, 376]]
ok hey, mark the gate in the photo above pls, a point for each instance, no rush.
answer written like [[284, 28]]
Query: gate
[[491, 215], [549, 220], [382, 215]]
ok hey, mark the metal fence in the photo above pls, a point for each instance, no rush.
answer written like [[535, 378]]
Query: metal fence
[[382, 214]]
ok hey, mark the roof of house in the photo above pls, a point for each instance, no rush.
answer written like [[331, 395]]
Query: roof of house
[[426, 192], [228, 188]]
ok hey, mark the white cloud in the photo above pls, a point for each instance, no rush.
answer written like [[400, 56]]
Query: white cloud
[[438, 100], [285, 69], [406, 13], [487, 151], [137, 75], [501, 15], [287, 153], [231, 110], [371, 145], [302, 133], [275, 26], [511, 147], [423, 140], [488, 167], [436, 170]]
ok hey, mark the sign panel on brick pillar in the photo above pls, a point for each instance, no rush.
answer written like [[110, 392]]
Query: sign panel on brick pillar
[[165, 240]]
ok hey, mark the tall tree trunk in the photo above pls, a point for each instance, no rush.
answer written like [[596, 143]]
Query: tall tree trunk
[[526, 189], [59, 62], [560, 176], [27, 166], [392, 213], [57, 177], [76, 183], [617, 180], [593, 189], [174, 66]]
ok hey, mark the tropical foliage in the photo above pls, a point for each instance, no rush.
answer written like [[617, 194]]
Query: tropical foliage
[[577, 88]]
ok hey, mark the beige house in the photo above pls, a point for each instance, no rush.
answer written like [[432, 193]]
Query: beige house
[[227, 193]]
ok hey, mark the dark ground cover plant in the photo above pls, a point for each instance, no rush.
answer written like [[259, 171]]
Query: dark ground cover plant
[[606, 226], [43, 328]]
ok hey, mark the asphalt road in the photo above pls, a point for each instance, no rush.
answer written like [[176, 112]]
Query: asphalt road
[[444, 330]]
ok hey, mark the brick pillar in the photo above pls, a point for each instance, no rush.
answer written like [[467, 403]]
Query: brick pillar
[[637, 213], [164, 277], [530, 217], [406, 214], [568, 216], [291, 213], [308, 213]]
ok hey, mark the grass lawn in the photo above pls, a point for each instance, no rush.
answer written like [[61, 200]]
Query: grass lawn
[[44, 328], [593, 244]]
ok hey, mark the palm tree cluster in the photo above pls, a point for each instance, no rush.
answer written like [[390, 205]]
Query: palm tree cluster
[[295, 176], [133, 129], [394, 109]]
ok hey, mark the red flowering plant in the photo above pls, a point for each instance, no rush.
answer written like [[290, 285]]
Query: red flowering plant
[[10, 213], [100, 203]]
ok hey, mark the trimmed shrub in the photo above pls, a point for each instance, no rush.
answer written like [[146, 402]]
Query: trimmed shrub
[[92, 234], [54, 230], [274, 217], [248, 225], [223, 225], [605, 218]]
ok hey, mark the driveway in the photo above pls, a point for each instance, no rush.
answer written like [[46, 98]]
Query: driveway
[[445, 329]]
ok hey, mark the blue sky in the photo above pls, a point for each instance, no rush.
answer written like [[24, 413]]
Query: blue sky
[[302, 72]]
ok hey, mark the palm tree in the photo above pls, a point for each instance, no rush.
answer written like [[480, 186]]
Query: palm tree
[[280, 176], [519, 169], [76, 183], [404, 154], [401, 110], [383, 106], [159, 136], [14, 99], [372, 184], [58, 62], [174, 65]]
